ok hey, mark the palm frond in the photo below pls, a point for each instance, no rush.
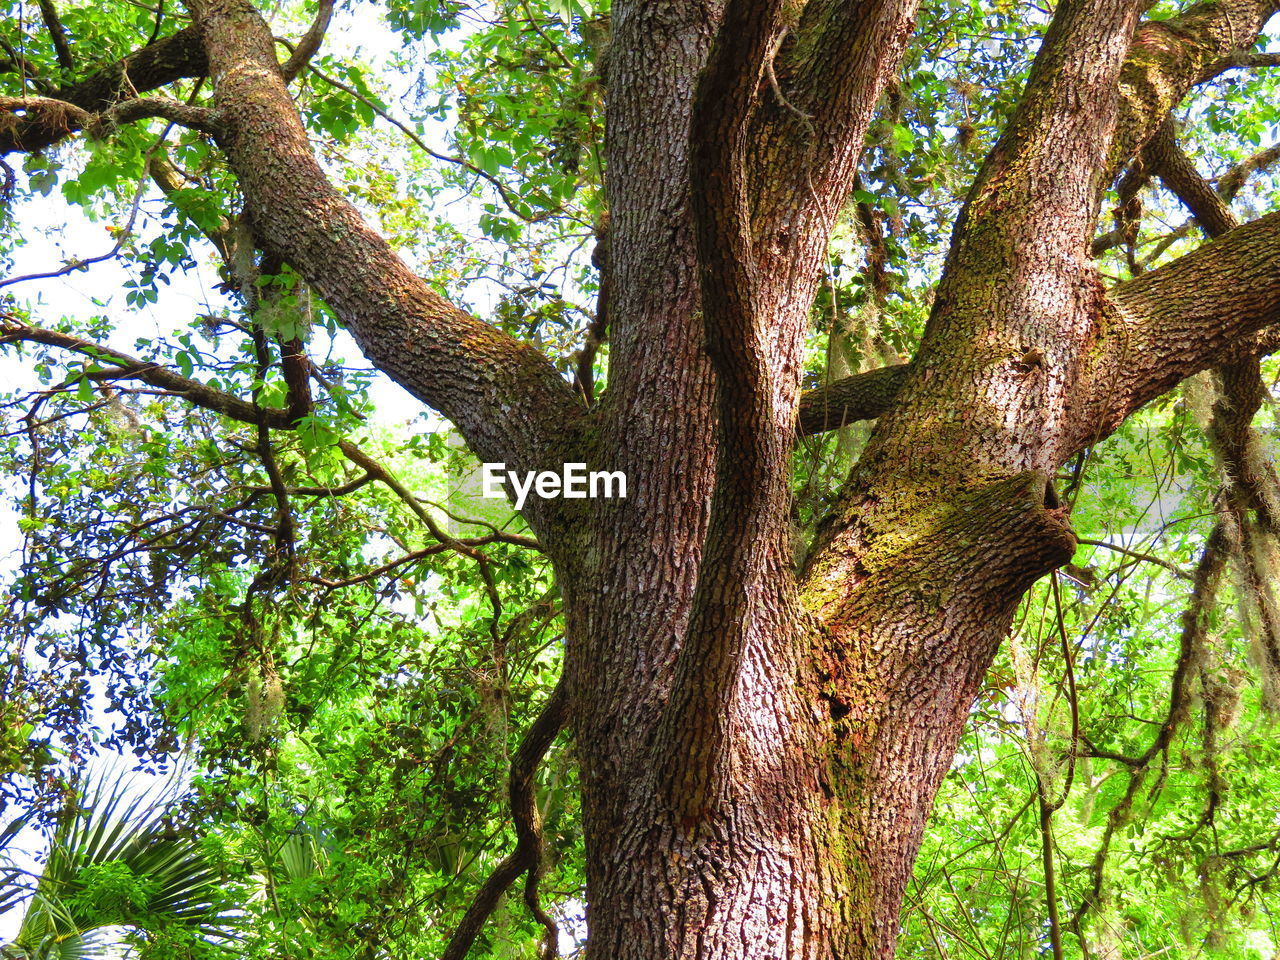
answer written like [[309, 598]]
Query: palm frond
[[113, 862]]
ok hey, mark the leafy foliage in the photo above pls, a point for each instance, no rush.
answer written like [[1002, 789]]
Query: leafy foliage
[[118, 862], [348, 654]]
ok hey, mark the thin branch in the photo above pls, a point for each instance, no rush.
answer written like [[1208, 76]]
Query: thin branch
[[155, 31], [508, 198], [1050, 877], [1231, 182], [1173, 568], [1195, 626], [131, 368], [284, 541], [378, 571], [341, 490], [169, 179], [1240, 61], [498, 536], [30, 73], [73, 265], [526, 858]]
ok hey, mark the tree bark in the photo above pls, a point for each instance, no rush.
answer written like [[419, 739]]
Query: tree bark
[[759, 753], [760, 749]]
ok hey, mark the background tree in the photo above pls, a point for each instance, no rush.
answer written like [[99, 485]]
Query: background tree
[[758, 737]]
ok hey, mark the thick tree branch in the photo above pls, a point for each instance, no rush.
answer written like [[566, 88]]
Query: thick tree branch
[[1007, 325], [1165, 159], [747, 515], [1184, 317], [827, 76], [58, 34], [862, 396], [155, 65], [504, 396], [68, 117], [1229, 184]]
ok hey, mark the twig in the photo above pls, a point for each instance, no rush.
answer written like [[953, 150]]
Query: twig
[[509, 199], [124, 233], [1173, 568]]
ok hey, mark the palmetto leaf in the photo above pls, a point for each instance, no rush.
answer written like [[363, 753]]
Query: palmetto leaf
[[13, 889], [69, 946], [112, 863]]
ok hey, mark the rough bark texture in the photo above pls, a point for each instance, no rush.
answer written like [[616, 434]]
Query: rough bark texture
[[760, 749], [173, 58]]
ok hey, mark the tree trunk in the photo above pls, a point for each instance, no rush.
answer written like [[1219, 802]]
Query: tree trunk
[[759, 751]]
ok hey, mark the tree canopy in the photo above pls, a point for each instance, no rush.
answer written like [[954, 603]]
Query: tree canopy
[[237, 546]]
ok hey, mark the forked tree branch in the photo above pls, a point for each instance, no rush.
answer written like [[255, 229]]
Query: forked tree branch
[[177, 57], [1166, 60], [64, 115], [1229, 185], [1169, 57]]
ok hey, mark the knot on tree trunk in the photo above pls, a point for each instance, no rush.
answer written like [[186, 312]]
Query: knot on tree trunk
[[926, 548]]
